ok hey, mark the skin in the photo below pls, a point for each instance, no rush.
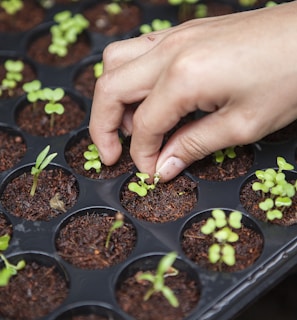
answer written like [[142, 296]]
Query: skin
[[241, 68]]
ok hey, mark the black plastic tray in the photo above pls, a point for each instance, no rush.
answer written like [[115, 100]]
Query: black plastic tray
[[223, 295]]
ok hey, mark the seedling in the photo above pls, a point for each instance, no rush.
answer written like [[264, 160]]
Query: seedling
[[220, 155], [13, 75], [247, 3], [42, 161], [222, 228], [9, 269], [66, 31], [53, 106], [275, 189], [11, 7], [156, 25], [33, 90], [201, 10], [93, 158], [185, 8], [164, 270], [118, 223], [141, 187], [98, 69]]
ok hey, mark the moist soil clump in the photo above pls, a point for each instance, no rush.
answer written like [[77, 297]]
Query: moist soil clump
[[56, 193], [28, 75], [82, 241], [38, 51], [130, 298], [251, 199], [35, 121], [12, 149], [247, 249], [111, 25], [167, 202], [75, 159], [34, 292], [208, 169], [20, 21]]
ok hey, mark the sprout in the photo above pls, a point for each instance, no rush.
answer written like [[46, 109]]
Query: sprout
[[276, 191], [9, 269], [11, 6], [220, 155], [141, 187], [164, 270], [156, 25], [13, 75], [42, 161], [118, 223], [93, 158], [113, 9], [33, 90], [221, 228], [98, 69], [53, 96]]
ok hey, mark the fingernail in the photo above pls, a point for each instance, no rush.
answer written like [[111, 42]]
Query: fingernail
[[170, 168]]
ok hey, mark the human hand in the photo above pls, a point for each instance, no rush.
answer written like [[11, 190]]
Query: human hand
[[241, 68]]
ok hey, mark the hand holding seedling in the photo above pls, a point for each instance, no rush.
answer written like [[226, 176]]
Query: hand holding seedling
[[236, 86]]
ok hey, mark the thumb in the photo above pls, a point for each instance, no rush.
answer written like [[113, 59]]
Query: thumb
[[202, 137]]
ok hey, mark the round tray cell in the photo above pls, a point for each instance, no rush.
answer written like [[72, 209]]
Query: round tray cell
[[96, 238], [102, 22], [35, 291], [251, 200], [5, 226], [89, 312], [182, 280], [40, 40], [236, 162], [167, 202], [57, 191], [33, 119], [196, 244], [20, 70], [19, 22], [74, 155], [12, 148], [84, 78]]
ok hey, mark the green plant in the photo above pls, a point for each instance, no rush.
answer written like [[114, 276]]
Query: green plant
[[185, 8], [42, 161], [275, 189], [156, 25], [247, 3], [141, 187], [32, 89], [98, 69], [11, 7], [92, 158], [113, 9], [118, 223], [201, 10], [220, 155], [53, 105], [164, 269], [66, 31], [222, 228], [13, 75], [9, 269]]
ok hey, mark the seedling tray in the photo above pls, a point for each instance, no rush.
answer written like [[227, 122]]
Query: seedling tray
[[222, 294]]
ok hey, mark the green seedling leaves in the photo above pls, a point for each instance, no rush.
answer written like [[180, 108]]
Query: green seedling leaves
[[274, 214], [54, 108], [118, 223], [93, 158], [220, 218], [4, 242], [98, 69], [156, 25], [11, 7], [283, 164], [235, 218], [141, 187]]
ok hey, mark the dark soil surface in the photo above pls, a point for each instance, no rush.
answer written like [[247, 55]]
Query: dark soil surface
[[38, 50], [85, 81], [101, 22], [130, 298], [35, 121], [53, 185], [208, 169], [196, 244], [251, 199], [82, 241], [5, 226], [12, 149], [28, 75], [178, 197], [75, 159], [20, 22], [44, 291]]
